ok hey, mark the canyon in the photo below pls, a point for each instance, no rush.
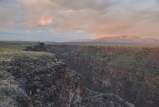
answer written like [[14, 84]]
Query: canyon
[[32, 76], [131, 72]]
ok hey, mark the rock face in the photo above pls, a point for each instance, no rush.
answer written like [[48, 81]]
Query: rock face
[[47, 82], [131, 73]]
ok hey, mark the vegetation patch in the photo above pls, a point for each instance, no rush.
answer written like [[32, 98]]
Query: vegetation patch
[[106, 95]]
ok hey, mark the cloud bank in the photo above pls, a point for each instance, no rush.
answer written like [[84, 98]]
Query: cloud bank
[[96, 17]]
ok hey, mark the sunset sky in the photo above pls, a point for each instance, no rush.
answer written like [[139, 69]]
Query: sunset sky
[[68, 20]]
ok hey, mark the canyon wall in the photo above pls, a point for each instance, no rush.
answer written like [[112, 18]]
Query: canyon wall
[[46, 81]]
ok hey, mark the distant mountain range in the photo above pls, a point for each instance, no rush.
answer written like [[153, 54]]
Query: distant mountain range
[[112, 40], [122, 39]]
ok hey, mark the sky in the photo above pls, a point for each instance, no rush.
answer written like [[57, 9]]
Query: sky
[[69, 20]]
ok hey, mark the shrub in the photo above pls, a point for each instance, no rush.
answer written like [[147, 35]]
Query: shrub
[[5, 91], [3, 99], [2, 75], [157, 74], [1, 68], [106, 95], [3, 63]]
